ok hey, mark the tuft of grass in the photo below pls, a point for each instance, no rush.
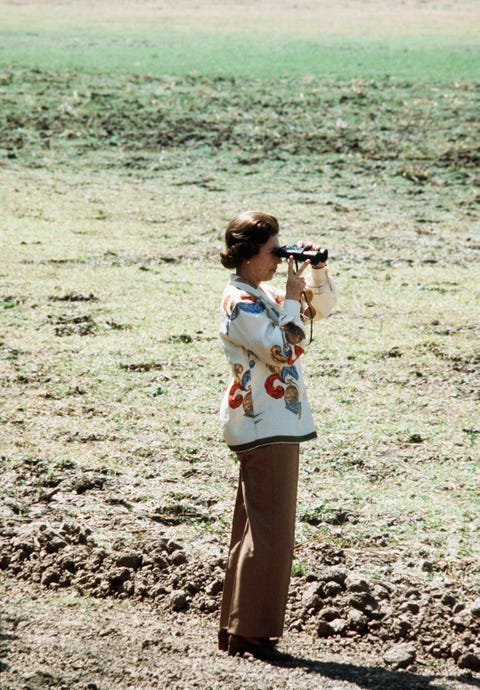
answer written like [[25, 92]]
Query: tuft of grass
[[299, 570]]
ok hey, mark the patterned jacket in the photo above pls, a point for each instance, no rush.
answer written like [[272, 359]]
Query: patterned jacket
[[264, 337]]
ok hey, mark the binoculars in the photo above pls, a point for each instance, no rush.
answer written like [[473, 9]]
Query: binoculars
[[302, 253]]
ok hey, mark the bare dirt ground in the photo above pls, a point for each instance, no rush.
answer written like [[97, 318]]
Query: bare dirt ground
[[143, 614], [104, 644]]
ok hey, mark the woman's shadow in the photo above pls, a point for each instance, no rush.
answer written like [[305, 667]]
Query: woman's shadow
[[374, 677], [4, 639]]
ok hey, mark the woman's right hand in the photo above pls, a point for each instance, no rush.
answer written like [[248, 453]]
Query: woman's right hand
[[296, 283]]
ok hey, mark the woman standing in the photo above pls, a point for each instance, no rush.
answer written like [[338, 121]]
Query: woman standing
[[265, 416]]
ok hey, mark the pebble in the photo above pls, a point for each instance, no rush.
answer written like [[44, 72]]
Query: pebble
[[401, 655], [209, 605], [339, 626], [358, 621], [334, 573], [475, 608], [411, 607], [324, 629], [310, 593], [129, 559], [357, 584], [449, 600], [178, 557], [363, 601], [470, 661], [401, 626], [332, 589], [178, 600], [329, 614], [214, 587]]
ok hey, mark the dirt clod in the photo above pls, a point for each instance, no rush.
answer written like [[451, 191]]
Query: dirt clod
[[401, 655]]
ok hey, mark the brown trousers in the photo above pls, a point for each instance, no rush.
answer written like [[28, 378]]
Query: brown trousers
[[261, 548]]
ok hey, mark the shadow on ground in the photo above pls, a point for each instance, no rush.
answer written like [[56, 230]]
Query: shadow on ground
[[373, 678]]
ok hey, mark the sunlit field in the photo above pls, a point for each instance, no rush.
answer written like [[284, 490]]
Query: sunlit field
[[128, 140]]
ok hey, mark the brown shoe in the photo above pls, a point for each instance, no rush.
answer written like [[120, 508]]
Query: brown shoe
[[223, 640], [260, 648]]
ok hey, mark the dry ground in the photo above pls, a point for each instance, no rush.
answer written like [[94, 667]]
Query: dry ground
[[345, 18]]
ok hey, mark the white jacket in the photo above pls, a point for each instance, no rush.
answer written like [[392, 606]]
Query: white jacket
[[264, 336]]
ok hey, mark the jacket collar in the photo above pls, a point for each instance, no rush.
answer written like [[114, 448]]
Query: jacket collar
[[265, 297]]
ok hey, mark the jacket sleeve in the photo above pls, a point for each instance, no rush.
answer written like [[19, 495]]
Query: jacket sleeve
[[248, 325], [322, 295]]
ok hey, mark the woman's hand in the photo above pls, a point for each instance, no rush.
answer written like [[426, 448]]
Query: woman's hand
[[315, 248], [295, 282]]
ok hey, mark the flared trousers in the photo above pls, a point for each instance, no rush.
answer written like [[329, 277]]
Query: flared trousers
[[262, 541]]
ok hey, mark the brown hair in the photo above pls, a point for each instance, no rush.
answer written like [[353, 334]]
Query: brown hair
[[244, 236]]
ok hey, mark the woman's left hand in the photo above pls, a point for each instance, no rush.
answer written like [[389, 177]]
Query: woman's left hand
[[296, 283], [315, 248]]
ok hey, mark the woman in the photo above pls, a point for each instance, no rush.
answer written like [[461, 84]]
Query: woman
[[265, 416]]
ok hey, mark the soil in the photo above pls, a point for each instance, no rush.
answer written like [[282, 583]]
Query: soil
[[106, 644], [81, 612]]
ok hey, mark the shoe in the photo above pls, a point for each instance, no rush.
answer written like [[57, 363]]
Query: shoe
[[223, 639], [260, 648]]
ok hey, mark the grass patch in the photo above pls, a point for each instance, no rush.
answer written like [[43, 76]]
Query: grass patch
[[249, 55], [115, 194], [412, 132]]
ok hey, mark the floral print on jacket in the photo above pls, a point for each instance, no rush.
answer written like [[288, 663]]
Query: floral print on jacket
[[264, 337]]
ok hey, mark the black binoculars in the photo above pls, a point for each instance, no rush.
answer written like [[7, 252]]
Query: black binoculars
[[302, 253]]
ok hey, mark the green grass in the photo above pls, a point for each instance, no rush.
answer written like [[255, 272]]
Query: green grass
[[253, 55]]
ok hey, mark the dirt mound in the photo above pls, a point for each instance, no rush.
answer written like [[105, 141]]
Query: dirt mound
[[406, 621], [406, 618]]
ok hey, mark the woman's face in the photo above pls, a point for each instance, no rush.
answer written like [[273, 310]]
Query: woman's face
[[263, 265]]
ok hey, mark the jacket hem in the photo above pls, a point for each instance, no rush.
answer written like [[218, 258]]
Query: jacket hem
[[271, 439]]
